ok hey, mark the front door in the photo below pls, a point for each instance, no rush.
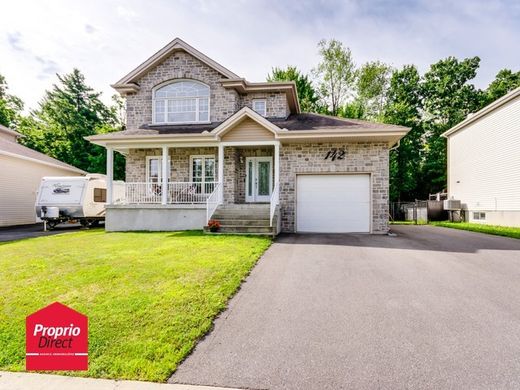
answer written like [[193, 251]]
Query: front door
[[259, 180]]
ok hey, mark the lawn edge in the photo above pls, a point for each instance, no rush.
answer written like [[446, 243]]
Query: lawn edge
[[224, 308], [484, 229]]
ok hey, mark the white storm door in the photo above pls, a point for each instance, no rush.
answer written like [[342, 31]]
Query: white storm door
[[259, 179]]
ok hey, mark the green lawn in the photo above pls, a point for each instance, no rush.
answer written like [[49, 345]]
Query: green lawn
[[149, 296], [419, 222], [512, 232]]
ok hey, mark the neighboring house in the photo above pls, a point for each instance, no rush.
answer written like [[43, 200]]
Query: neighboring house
[[484, 163], [203, 143], [21, 170]]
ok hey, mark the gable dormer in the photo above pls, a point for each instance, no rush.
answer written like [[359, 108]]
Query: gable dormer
[[180, 85]]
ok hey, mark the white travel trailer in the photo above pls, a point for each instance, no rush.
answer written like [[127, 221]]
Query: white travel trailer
[[81, 199]]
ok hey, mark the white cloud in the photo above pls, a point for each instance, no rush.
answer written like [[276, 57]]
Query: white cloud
[[107, 39]]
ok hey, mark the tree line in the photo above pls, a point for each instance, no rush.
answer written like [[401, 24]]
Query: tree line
[[67, 113], [428, 103]]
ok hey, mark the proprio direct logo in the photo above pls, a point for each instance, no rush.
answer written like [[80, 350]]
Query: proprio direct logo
[[56, 338]]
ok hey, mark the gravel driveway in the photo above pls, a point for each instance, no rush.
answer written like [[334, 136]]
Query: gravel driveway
[[432, 308]]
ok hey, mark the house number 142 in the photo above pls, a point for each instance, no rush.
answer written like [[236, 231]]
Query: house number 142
[[335, 154]]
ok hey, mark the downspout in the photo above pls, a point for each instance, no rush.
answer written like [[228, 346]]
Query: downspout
[[396, 146]]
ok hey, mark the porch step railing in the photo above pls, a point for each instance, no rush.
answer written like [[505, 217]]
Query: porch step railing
[[178, 192], [275, 200], [214, 200]]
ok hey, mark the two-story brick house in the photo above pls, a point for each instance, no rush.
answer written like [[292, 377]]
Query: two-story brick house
[[203, 143]]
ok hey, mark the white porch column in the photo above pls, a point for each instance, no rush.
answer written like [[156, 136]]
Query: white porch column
[[276, 162], [221, 171], [165, 172], [221, 163], [110, 175]]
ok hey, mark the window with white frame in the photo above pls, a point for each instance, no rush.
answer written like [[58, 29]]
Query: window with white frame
[[184, 101], [154, 169], [202, 173], [260, 106], [479, 216]]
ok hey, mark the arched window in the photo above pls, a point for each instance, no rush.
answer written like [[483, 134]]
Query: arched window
[[183, 101]]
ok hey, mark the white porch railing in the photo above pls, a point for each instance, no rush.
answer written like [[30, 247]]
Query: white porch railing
[[142, 193], [275, 200], [178, 192], [190, 192], [214, 200]]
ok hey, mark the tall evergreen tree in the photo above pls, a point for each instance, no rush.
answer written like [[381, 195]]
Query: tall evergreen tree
[[10, 106], [70, 111]]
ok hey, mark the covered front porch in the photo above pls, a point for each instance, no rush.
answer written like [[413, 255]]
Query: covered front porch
[[180, 185]]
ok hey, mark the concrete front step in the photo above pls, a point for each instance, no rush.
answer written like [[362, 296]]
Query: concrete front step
[[248, 217], [244, 222], [266, 230], [243, 219], [235, 215], [244, 206]]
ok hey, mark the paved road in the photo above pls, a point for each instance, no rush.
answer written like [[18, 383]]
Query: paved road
[[36, 230], [432, 308]]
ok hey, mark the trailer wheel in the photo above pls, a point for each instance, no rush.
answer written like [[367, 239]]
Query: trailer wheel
[[84, 223], [51, 225], [94, 223]]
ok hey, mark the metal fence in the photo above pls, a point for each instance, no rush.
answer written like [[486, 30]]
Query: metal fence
[[418, 211]]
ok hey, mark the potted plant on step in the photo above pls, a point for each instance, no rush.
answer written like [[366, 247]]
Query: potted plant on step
[[213, 225]]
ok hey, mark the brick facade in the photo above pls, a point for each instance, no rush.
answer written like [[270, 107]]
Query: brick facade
[[276, 103], [223, 101], [179, 162], [294, 159], [309, 158]]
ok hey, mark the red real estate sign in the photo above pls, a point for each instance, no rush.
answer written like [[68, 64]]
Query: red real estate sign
[[56, 338]]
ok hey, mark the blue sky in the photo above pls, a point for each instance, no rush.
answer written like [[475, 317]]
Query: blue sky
[[107, 38]]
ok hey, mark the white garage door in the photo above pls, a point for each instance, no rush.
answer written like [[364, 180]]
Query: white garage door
[[333, 203]]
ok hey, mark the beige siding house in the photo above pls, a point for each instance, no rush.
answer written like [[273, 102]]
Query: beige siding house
[[484, 163], [21, 170], [202, 143]]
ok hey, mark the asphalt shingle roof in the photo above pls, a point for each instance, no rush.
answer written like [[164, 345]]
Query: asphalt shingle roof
[[304, 121], [23, 151]]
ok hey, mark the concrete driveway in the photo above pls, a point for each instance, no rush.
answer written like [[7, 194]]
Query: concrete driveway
[[432, 308]]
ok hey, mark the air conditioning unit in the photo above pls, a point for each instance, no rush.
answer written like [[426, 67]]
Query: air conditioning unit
[[452, 204]]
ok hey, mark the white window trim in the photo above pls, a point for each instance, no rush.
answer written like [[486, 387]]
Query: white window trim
[[147, 168], [154, 89], [264, 114], [203, 156]]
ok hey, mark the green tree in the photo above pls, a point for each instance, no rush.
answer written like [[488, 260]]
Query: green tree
[[335, 74], [403, 107], [306, 91], [70, 111], [448, 97], [372, 83], [505, 81], [10, 106]]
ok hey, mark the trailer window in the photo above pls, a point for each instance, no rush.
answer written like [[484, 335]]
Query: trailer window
[[100, 195]]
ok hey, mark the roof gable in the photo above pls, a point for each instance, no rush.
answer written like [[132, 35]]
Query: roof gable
[[490, 108], [239, 117], [14, 149], [128, 82]]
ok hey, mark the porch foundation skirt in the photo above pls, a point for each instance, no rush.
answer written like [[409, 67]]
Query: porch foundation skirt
[[154, 217]]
